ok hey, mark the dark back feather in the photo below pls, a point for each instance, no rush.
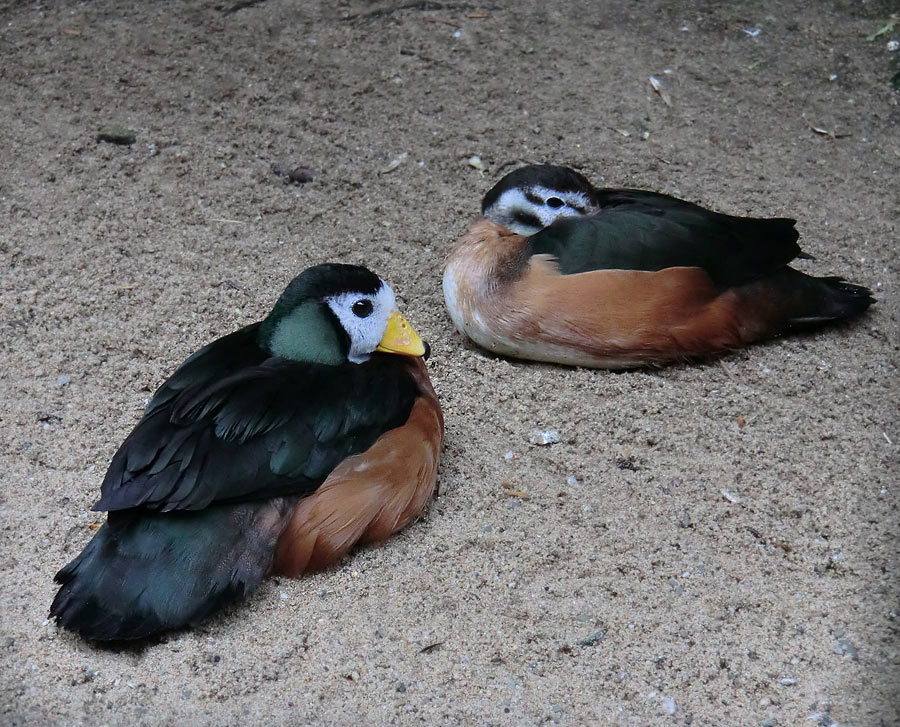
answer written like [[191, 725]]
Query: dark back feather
[[638, 230]]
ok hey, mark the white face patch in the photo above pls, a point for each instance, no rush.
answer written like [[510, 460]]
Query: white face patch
[[365, 317], [529, 210]]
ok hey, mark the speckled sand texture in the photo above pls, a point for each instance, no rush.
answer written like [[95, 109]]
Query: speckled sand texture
[[713, 544]]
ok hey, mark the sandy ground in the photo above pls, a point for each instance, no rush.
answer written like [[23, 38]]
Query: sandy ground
[[623, 587]]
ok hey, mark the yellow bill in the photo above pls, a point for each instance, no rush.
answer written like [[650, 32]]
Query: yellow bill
[[401, 337]]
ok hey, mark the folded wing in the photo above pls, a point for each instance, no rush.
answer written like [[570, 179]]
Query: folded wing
[[273, 428], [637, 230]]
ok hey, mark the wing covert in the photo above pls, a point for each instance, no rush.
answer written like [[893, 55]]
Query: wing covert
[[274, 429], [637, 230]]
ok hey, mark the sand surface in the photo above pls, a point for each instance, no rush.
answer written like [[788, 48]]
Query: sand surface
[[605, 579]]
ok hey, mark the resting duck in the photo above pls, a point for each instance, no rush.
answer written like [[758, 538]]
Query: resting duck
[[557, 270], [274, 449]]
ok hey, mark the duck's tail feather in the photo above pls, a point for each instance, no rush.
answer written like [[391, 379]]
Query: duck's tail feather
[[145, 572], [822, 300], [789, 300]]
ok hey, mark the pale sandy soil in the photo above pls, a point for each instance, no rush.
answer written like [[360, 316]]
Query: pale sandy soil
[[634, 594]]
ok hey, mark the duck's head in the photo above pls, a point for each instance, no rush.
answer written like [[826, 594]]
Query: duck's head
[[531, 198], [335, 313]]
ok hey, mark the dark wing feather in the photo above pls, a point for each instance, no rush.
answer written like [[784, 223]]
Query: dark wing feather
[[638, 230], [277, 428], [220, 358]]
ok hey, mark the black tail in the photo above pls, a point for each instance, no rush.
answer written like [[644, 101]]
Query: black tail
[[145, 572], [822, 300]]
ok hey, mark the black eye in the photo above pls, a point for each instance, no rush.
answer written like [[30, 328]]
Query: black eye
[[362, 308], [555, 202]]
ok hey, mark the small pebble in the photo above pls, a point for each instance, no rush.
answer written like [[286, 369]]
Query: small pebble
[[787, 681], [592, 639], [572, 481], [542, 438], [62, 380], [475, 162], [115, 134], [668, 704], [845, 648], [294, 175]]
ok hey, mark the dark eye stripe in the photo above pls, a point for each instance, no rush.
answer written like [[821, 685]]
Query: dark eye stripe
[[528, 219], [533, 198]]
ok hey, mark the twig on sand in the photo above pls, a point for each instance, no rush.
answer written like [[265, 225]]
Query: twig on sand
[[242, 5], [377, 13]]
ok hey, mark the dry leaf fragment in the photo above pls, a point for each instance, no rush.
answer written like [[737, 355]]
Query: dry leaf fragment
[[432, 19], [396, 162], [663, 94], [886, 28], [512, 491], [826, 132]]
